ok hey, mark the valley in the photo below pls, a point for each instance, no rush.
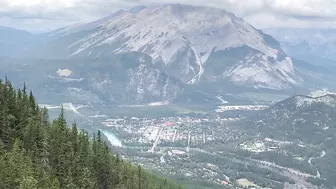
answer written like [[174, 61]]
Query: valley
[[215, 149], [192, 93]]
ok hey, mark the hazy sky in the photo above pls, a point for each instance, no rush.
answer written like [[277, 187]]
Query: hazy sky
[[39, 15]]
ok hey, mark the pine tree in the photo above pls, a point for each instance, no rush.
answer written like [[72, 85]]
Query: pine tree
[[28, 183], [139, 176], [60, 149], [54, 184], [32, 104], [35, 153], [22, 117], [86, 180], [2, 148], [6, 119]]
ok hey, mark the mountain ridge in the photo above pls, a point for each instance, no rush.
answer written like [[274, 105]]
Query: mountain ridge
[[181, 39], [208, 48], [285, 112], [312, 44], [304, 127], [11, 40]]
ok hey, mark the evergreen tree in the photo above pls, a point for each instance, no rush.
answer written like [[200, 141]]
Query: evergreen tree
[[54, 184], [139, 177], [37, 154], [28, 183]]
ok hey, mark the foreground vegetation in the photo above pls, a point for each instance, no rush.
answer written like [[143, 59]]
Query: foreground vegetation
[[37, 154]]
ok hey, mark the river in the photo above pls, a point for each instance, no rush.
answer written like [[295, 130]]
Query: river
[[114, 140]]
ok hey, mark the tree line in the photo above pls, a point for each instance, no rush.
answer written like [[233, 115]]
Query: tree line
[[38, 154]]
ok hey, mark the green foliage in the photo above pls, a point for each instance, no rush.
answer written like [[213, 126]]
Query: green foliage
[[36, 154]]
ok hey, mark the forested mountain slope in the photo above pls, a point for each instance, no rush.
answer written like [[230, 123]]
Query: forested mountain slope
[[37, 154]]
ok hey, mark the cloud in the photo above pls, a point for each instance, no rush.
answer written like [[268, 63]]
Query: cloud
[[305, 8], [51, 14]]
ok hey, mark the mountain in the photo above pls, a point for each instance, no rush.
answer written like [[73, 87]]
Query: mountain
[[310, 44], [301, 115], [303, 130], [13, 41], [299, 118], [312, 50], [196, 45], [167, 52]]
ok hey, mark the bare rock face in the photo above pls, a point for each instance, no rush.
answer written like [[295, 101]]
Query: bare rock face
[[156, 53], [187, 43]]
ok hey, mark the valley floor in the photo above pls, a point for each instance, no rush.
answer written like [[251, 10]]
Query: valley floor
[[210, 149]]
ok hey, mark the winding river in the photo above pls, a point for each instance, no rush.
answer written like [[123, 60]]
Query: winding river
[[114, 140]]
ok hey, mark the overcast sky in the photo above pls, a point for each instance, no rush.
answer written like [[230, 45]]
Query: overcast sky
[[41, 15]]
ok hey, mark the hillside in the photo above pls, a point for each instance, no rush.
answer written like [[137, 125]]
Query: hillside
[[37, 154], [299, 133], [14, 41], [123, 78], [300, 117]]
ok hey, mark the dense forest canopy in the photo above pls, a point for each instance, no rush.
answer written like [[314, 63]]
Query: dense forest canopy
[[37, 154]]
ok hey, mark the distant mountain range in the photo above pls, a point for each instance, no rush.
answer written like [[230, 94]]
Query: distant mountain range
[[192, 50], [12, 41], [311, 45]]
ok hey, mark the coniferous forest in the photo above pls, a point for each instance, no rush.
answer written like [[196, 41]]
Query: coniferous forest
[[38, 154]]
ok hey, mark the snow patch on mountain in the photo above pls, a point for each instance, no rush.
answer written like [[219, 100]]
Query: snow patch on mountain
[[319, 93], [164, 103], [303, 101], [220, 98]]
